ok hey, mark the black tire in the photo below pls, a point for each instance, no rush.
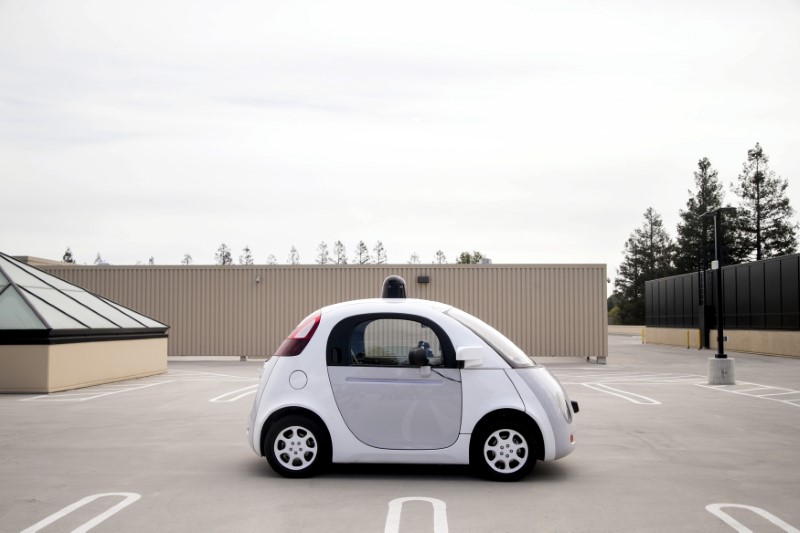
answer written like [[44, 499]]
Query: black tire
[[503, 450], [297, 447]]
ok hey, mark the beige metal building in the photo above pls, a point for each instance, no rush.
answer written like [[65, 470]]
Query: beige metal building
[[548, 310]]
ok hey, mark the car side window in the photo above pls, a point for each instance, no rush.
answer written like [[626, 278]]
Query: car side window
[[394, 342]]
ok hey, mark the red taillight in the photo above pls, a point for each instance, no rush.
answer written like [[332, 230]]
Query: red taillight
[[297, 339]]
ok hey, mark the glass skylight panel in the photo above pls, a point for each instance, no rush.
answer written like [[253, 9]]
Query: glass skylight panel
[[72, 308], [54, 318], [58, 283], [149, 322], [15, 313], [18, 275], [104, 308]]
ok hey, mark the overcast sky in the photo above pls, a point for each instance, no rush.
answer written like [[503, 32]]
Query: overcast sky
[[532, 131]]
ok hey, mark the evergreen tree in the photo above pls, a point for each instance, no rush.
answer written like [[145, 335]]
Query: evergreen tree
[[695, 240], [439, 258], [339, 253], [763, 219], [247, 256], [380, 253], [648, 256], [68, 256], [187, 260], [362, 254], [467, 258], [294, 257], [223, 255], [99, 261], [323, 257], [151, 261]]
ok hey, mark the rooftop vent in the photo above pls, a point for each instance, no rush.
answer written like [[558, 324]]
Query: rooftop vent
[[394, 287]]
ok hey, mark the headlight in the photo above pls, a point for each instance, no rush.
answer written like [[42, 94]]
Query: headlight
[[563, 403]]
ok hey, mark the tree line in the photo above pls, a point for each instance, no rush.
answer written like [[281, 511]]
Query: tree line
[[324, 256], [762, 227]]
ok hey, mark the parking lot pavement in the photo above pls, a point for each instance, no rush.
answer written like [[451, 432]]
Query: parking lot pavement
[[658, 450]]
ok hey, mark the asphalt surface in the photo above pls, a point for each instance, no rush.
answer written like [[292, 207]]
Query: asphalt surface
[[657, 449]]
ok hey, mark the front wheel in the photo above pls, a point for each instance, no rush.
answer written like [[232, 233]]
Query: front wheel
[[297, 447], [503, 451]]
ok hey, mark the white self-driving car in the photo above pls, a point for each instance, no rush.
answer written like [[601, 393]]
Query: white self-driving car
[[396, 380]]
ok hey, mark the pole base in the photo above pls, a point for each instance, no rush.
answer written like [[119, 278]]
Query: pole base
[[721, 371]]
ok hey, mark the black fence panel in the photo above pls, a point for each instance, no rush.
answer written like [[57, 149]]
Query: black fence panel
[[790, 289], [672, 302], [759, 295]]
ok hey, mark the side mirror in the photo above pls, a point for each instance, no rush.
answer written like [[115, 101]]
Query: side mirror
[[471, 355]]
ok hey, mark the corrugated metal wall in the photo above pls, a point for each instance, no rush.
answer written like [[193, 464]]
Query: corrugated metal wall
[[548, 310]]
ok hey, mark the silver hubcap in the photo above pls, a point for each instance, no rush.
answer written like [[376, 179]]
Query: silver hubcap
[[505, 451], [295, 448]]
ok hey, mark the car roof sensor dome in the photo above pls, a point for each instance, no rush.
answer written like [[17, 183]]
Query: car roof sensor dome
[[394, 287]]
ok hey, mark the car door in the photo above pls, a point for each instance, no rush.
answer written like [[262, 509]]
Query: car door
[[388, 396]]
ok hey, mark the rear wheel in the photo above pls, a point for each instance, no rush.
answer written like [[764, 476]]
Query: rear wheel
[[503, 451], [297, 447]]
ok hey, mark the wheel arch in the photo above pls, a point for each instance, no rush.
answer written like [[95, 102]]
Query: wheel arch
[[509, 415], [287, 411]]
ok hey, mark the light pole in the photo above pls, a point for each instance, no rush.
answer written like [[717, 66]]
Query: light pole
[[720, 368]]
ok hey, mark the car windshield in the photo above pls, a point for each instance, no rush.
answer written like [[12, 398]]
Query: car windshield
[[509, 351]]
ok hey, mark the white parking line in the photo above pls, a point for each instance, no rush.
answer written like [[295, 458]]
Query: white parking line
[[88, 395], [625, 395], [130, 497], [716, 510], [396, 508], [579, 378], [193, 375], [753, 390], [250, 390]]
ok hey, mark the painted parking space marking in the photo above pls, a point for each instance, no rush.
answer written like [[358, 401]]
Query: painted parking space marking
[[599, 379], [716, 510], [191, 375], [630, 378], [237, 394], [90, 393], [625, 395], [396, 509], [763, 392], [119, 387], [129, 498]]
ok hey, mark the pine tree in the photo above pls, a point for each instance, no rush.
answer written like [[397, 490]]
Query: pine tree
[[187, 260], [323, 257], [68, 256], [467, 258], [439, 257], [294, 257], [247, 256], [763, 219], [648, 256], [339, 253], [380, 253], [223, 255], [695, 240], [362, 254]]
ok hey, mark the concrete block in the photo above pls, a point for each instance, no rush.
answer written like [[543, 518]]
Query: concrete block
[[721, 371]]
